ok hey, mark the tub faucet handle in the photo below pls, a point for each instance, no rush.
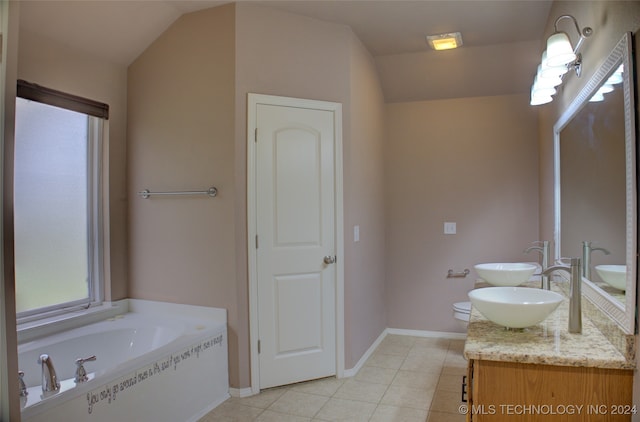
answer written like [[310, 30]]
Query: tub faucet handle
[[21, 385], [81, 373]]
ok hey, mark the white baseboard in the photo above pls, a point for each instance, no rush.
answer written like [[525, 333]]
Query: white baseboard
[[424, 333], [241, 392]]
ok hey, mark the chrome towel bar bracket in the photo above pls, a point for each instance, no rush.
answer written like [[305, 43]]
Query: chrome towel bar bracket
[[211, 192], [461, 274]]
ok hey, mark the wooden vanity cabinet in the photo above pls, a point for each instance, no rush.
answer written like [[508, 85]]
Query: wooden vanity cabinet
[[511, 391]]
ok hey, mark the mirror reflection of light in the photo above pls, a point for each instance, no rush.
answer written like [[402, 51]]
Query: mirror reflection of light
[[614, 79], [598, 96], [605, 89]]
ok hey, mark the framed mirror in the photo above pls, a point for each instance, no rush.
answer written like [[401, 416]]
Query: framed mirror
[[595, 186]]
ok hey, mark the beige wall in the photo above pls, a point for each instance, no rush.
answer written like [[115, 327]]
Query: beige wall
[[473, 161], [50, 64], [365, 261], [181, 137]]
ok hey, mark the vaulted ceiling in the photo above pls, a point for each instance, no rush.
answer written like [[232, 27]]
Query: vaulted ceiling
[[499, 56]]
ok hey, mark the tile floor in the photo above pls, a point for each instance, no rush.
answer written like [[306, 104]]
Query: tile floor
[[406, 379]]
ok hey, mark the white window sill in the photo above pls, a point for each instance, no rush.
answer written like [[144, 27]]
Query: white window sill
[[32, 330]]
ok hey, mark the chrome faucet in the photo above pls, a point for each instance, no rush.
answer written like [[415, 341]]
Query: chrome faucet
[[81, 373], [544, 251], [586, 257], [575, 294], [49, 378], [22, 387]]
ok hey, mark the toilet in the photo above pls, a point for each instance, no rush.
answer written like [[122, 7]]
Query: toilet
[[461, 312]]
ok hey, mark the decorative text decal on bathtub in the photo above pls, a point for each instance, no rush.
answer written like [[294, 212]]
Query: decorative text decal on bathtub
[[107, 394]]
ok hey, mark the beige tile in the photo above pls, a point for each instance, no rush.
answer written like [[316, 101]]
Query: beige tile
[[450, 382], [362, 391], [399, 339], [386, 413], [453, 360], [210, 417], [323, 387], [446, 417], [299, 404], [262, 400], [376, 375], [456, 346], [346, 410], [408, 397], [446, 401], [433, 344], [423, 363], [425, 376], [382, 360], [230, 411], [454, 370], [271, 416], [394, 349], [432, 351], [413, 379]]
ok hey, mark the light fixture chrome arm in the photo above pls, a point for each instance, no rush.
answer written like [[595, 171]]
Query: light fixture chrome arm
[[583, 33]]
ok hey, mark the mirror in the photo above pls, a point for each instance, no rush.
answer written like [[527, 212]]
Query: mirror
[[595, 186]]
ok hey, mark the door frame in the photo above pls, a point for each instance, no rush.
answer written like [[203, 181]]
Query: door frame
[[336, 108]]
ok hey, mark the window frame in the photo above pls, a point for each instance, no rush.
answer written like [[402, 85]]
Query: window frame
[[97, 115]]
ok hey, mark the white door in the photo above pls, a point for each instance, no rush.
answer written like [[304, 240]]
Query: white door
[[295, 243]]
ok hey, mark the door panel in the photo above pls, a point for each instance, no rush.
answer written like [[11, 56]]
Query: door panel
[[295, 222], [299, 314]]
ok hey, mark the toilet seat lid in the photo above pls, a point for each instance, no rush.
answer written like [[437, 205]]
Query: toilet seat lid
[[462, 307]]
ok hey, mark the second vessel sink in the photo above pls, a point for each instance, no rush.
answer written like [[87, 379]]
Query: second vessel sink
[[613, 275], [505, 274], [515, 307]]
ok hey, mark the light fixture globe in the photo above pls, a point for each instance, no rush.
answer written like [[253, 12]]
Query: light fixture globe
[[540, 99], [541, 81], [546, 71], [559, 50]]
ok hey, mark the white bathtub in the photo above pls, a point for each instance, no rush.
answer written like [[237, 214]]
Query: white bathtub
[[158, 362]]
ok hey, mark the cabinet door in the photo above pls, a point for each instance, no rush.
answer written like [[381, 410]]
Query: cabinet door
[[504, 391]]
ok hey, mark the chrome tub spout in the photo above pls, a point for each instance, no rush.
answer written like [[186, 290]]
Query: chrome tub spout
[[50, 383]]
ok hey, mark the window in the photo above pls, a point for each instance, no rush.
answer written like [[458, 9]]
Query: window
[[57, 202]]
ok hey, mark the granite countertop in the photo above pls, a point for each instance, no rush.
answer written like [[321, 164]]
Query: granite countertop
[[547, 343]]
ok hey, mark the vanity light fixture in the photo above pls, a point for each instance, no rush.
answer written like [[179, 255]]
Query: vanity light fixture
[[445, 41], [558, 58]]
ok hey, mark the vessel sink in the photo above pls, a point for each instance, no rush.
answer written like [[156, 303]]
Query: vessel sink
[[613, 275], [505, 274], [515, 307]]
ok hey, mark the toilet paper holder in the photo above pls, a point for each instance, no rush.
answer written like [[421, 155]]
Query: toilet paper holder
[[460, 274]]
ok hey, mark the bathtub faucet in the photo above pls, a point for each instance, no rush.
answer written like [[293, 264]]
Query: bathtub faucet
[[81, 373], [49, 378], [22, 387]]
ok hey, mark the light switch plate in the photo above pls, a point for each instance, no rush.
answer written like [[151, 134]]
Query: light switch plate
[[449, 228]]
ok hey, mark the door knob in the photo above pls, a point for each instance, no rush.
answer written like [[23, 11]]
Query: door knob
[[329, 259]]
